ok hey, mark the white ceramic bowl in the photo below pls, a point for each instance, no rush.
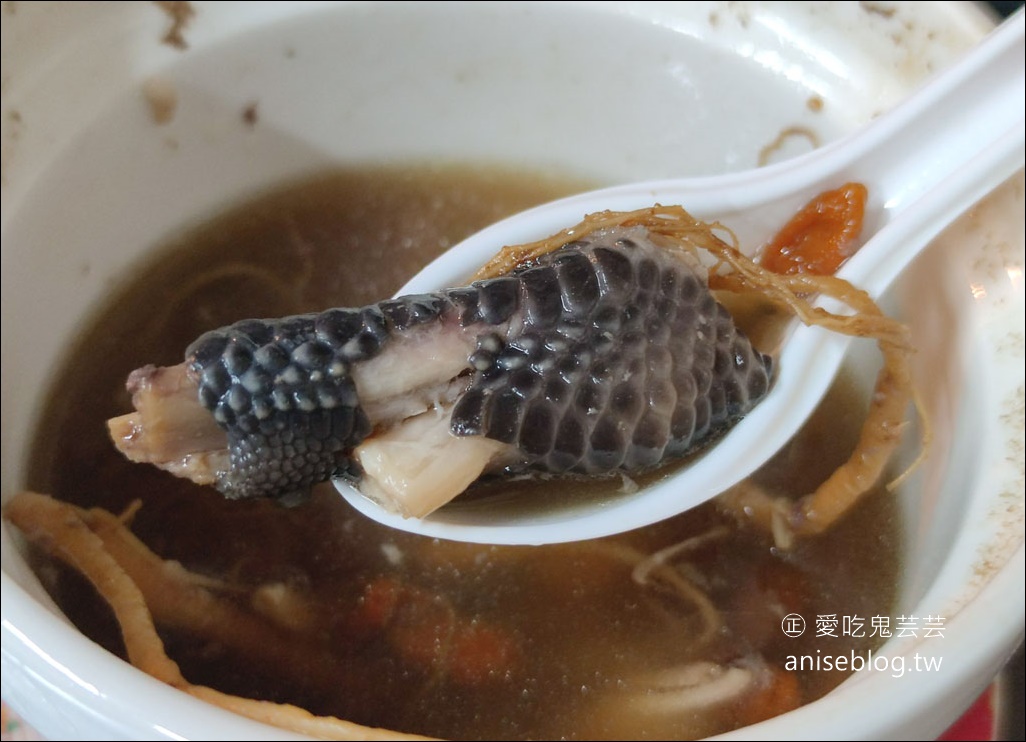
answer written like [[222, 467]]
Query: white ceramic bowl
[[90, 182]]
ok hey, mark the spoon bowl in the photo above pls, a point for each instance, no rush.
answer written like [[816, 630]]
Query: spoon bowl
[[924, 163]]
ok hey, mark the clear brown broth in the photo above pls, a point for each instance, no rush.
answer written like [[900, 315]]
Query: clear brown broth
[[585, 633]]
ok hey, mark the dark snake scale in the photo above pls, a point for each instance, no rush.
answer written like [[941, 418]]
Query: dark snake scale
[[607, 354]]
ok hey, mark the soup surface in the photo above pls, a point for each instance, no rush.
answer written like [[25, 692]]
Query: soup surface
[[669, 631]]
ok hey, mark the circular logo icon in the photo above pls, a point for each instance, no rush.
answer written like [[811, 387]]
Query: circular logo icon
[[793, 625]]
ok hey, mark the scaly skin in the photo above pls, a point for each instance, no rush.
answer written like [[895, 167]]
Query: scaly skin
[[609, 353]]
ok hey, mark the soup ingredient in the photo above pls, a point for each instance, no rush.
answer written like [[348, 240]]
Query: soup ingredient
[[820, 237], [699, 691], [431, 637], [609, 353], [426, 631], [139, 586]]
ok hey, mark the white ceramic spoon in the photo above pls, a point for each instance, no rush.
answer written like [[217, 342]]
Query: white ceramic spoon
[[924, 163]]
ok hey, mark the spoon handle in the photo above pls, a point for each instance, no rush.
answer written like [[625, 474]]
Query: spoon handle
[[901, 156], [949, 126], [914, 223]]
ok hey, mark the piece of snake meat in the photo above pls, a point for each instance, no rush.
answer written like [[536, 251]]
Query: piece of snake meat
[[608, 354]]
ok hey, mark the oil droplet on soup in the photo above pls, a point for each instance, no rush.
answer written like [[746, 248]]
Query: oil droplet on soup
[[588, 640]]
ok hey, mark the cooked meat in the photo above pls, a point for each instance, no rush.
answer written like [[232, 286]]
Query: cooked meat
[[607, 354]]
